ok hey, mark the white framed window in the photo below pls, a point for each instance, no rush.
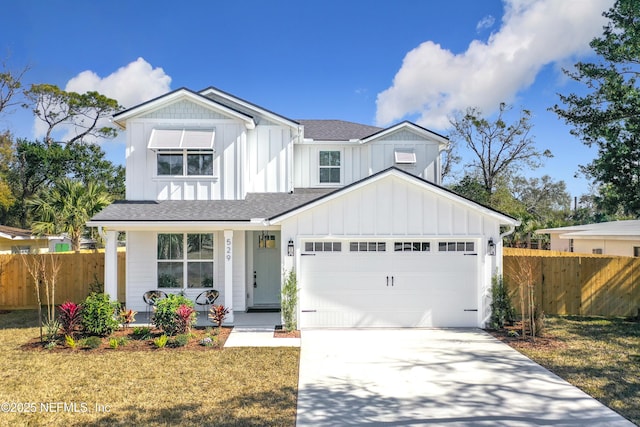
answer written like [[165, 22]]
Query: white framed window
[[636, 251], [596, 251], [367, 247], [185, 260], [185, 163], [329, 167], [323, 246]]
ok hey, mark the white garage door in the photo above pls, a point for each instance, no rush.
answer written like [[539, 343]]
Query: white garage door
[[389, 284]]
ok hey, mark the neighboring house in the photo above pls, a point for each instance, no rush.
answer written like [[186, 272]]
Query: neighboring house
[[608, 238], [223, 193], [18, 241]]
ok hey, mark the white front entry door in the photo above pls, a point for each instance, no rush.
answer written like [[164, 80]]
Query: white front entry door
[[390, 287]]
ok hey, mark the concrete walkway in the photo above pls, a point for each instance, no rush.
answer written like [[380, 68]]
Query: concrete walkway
[[256, 330], [449, 377]]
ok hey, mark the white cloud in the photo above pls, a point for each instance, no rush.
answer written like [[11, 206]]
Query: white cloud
[[130, 85], [433, 82], [486, 22]]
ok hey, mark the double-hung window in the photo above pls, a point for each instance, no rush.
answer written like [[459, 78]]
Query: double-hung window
[[329, 167], [185, 260]]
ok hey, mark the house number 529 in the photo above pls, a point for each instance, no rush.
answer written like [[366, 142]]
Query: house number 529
[[227, 249]]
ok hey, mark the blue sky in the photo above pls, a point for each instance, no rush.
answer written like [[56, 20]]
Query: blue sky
[[369, 61]]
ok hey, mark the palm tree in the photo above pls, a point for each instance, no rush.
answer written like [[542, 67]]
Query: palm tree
[[66, 208]]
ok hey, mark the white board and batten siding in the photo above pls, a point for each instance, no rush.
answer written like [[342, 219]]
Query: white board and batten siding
[[390, 210], [142, 272], [245, 160], [359, 161]]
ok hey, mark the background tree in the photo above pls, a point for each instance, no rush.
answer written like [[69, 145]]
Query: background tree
[[66, 208], [499, 149], [609, 116], [83, 113], [7, 198], [10, 86]]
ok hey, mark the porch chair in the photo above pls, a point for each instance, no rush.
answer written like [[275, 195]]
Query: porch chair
[[151, 298], [207, 298]]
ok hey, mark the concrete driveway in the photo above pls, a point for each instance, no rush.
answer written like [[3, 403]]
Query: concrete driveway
[[450, 377]]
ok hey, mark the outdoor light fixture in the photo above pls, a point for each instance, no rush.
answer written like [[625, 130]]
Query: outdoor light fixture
[[290, 248], [491, 247]]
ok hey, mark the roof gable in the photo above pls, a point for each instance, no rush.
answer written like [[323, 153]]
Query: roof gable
[[399, 173], [156, 105], [407, 128]]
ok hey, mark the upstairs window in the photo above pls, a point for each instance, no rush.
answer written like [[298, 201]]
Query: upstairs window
[[329, 167], [183, 152]]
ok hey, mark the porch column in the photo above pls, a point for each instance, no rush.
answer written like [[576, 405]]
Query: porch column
[[111, 264], [228, 274]]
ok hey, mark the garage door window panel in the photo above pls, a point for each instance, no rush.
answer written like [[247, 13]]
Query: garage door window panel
[[412, 246], [323, 247], [367, 246], [456, 247]]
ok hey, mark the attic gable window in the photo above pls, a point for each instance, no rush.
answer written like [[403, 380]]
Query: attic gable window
[[184, 139], [405, 157]]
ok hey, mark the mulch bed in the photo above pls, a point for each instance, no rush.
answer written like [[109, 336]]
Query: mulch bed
[[281, 333], [140, 345], [520, 342]]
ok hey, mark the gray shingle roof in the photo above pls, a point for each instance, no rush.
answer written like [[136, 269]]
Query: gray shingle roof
[[336, 130], [255, 205]]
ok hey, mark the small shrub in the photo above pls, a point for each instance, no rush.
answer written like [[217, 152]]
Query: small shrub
[[166, 315], [127, 317], [92, 342], [70, 342], [98, 315], [50, 345], [289, 301], [51, 327], [122, 341], [217, 313], [141, 333], [513, 334], [181, 340], [502, 311], [70, 317], [114, 343], [161, 341], [185, 319]]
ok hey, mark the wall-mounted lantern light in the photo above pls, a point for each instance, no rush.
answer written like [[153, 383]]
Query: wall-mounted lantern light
[[491, 247], [290, 248]]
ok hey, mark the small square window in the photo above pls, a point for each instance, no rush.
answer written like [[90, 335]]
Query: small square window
[[308, 246]]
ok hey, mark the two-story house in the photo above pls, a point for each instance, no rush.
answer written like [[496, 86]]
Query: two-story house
[[224, 194]]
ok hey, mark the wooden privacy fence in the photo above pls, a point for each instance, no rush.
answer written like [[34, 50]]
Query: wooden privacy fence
[[576, 284], [74, 282], [565, 283]]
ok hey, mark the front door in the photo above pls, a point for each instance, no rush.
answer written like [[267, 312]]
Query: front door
[[266, 268]]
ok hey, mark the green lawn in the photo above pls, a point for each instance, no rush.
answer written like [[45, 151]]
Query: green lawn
[[236, 386], [600, 356]]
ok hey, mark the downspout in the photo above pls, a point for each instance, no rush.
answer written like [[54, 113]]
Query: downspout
[[508, 232]]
